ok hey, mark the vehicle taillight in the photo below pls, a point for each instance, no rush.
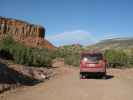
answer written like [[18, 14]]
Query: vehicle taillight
[[85, 59], [102, 63]]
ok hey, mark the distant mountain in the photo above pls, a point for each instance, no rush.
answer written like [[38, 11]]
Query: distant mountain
[[115, 43]]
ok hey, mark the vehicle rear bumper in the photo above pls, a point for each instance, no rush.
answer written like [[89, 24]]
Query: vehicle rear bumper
[[93, 70]]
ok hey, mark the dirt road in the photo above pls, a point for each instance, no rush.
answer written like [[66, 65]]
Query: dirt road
[[68, 86]]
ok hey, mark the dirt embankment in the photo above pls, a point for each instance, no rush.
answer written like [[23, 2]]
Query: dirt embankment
[[68, 86], [14, 75]]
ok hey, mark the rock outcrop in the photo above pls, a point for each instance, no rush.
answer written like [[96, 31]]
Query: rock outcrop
[[24, 32], [14, 75]]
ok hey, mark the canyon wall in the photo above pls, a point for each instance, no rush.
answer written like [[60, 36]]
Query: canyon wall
[[29, 34], [21, 28]]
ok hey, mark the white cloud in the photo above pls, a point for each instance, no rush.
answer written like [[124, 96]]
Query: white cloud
[[110, 35], [72, 37]]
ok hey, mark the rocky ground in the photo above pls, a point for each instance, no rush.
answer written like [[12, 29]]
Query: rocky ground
[[14, 75], [68, 86]]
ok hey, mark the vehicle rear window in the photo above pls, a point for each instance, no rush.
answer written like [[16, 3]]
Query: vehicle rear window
[[93, 57]]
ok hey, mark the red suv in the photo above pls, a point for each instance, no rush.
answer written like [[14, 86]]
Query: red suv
[[92, 63]]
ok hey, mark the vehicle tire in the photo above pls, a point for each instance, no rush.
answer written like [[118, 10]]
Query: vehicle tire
[[104, 76], [82, 76]]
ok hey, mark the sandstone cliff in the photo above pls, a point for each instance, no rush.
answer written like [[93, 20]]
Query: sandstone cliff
[[24, 32]]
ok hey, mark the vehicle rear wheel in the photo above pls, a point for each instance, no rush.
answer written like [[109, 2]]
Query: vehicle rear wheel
[[104, 76], [82, 76]]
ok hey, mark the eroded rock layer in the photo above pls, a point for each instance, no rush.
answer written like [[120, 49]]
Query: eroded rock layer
[[29, 34]]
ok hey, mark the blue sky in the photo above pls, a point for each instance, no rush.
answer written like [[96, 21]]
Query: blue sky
[[74, 21]]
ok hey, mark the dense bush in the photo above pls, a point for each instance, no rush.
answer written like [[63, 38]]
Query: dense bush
[[70, 53], [73, 59], [116, 58], [66, 50], [9, 49], [24, 55], [130, 60]]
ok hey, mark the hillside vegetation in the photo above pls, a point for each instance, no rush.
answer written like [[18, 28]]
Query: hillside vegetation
[[17, 52], [116, 43], [120, 56], [70, 54], [118, 52]]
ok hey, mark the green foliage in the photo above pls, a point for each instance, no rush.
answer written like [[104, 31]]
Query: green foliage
[[7, 43], [130, 61], [66, 50], [24, 55], [21, 54], [116, 58], [73, 59], [70, 53]]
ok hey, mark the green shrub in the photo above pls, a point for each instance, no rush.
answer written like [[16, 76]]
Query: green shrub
[[66, 50], [116, 58], [72, 59], [24, 55], [70, 53], [130, 60]]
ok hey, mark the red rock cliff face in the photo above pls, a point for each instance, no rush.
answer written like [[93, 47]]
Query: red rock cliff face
[[29, 34]]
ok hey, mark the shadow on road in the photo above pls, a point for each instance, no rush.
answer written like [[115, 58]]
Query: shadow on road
[[11, 76], [99, 77], [109, 76]]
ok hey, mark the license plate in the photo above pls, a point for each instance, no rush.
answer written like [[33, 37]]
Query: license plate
[[91, 65]]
